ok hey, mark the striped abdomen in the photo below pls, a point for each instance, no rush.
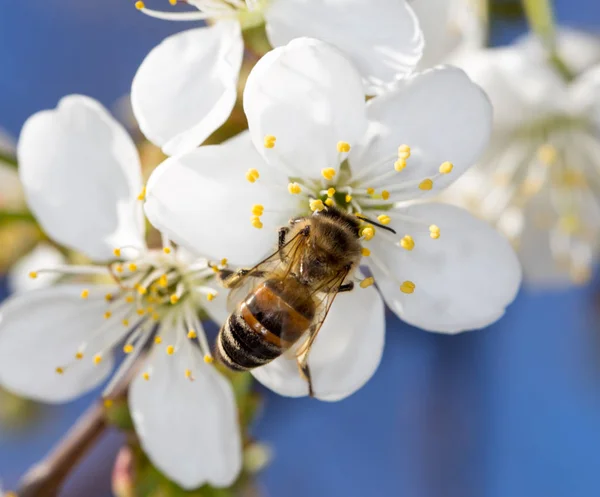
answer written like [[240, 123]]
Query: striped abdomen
[[267, 323]]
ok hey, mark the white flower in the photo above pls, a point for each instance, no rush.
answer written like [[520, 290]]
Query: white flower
[[186, 87], [539, 181], [81, 176], [312, 142]]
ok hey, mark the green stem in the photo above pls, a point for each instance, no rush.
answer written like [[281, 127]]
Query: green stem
[[8, 158], [9, 216]]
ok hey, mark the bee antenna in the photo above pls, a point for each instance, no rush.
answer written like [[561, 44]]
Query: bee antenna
[[374, 223]]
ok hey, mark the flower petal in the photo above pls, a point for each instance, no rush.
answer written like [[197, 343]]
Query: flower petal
[[43, 255], [189, 429], [202, 201], [309, 97], [384, 41], [345, 354], [463, 280], [81, 175], [441, 115], [186, 87], [34, 344]]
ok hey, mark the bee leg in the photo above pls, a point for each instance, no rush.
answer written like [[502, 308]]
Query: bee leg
[[282, 234], [230, 279], [347, 287], [305, 372]]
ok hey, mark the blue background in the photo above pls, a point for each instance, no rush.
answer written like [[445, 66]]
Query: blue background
[[512, 411]]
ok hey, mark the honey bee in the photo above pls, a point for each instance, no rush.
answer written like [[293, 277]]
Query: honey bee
[[287, 296]]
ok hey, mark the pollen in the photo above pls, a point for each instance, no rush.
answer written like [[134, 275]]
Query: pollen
[[329, 202], [139, 5], [252, 175], [33, 275], [59, 370], [316, 205], [547, 154], [399, 165], [434, 231], [258, 209], [210, 296], [132, 267], [343, 147], [407, 287], [365, 252], [170, 350], [367, 282], [128, 349], [370, 191], [108, 297], [446, 167], [208, 359], [79, 356], [85, 293], [188, 374], [174, 299], [167, 250], [97, 359], [294, 188], [192, 334], [117, 252], [107, 315], [385, 195], [368, 233], [426, 184], [269, 141], [403, 152], [383, 219], [142, 195], [331, 192], [328, 173], [157, 340], [163, 280], [256, 222], [407, 242], [146, 376]]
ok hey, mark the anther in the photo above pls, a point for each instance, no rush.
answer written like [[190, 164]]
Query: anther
[[399, 165], [125, 322], [316, 205], [139, 5], [117, 252], [129, 299], [157, 340], [59, 370], [403, 152], [174, 299], [368, 232], [370, 191], [108, 297], [330, 192], [128, 349], [434, 231], [107, 315], [119, 268], [224, 261], [97, 359], [79, 356], [367, 282], [33, 275], [294, 188], [257, 210], [173, 2], [329, 202], [343, 147], [383, 219], [155, 316], [269, 141], [163, 281], [210, 296], [140, 312], [407, 287], [142, 195], [142, 290], [365, 252], [192, 335], [256, 222], [132, 267], [348, 198], [426, 184], [385, 194], [446, 167], [85, 293], [188, 374], [146, 376], [208, 359], [328, 173], [170, 350], [407, 242], [167, 250], [547, 154], [252, 175]]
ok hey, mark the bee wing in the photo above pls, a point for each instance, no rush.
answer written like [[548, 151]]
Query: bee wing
[[278, 262]]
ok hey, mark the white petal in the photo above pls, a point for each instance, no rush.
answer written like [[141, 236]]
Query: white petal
[[40, 331], [202, 201], [81, 175], [345, 354], [189, 429], [383, 39], [463, 280], [309, 96], [43, 255], [11, 192], [441, 115], [186, 87]]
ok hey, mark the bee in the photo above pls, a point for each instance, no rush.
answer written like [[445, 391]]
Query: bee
[[286, 297]]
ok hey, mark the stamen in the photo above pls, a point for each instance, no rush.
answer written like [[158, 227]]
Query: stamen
[[167, 250], [142, 195], [367, 282], [368, 232], [269, 141], [426, 184], [328, 173], [255, 220], [348, 198], [157, 340], [343, 147], [434, 231], [385, 194], [446, 167], [172, 16], [210, 296], [85, 293], [108, 297], [33, 275], [547, 154], [192, 335], [146, 376], [174, 299], [97, 359], [170, 350], [370, 191], [331, 192], [79, 355], [117, 252], [407, 287], [316, 205], [188, 374], [252, 175], [329, 202], [399, 165], [383, 219], [365, 252], [59, 370], [107, 315], [407, 242], [128, 348], [294, 188], [208, 359], [258, 210], [403, 152]]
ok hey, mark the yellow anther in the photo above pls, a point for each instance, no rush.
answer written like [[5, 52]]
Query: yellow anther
[[368, 232], [192, 334], [33, 275], [188, 374], [329, 202], [129, 299], [125, 322], [367, 282], [446, 167], [117, 252], [365, 252], [149, 310], [269, 141], [224, 261], [330, 192], [59, 370], [142, 290], [256, 222], [569, 223], [170, 350], [370, 191], [407, 242], [173, 2], [210, 296], [155, 316], [79, 356], [142, 195], [208, 359], [348, 198], [434, 231], [403, 152], [167, 250], [407, 287], [128, 349], [328, 173], [343, 147], [157, 340], [294, 188], [547, 154], [426, 184], [107, 403], [140, 312], [399, 165], [85, 294], [97, 359], [174, 299], [316, 205], [385, 194], [146, 376], [257, 210], [107, 315], [139, 5], [132, 267], [108, 297], [384, 219], [252, 175], [163, 281], [119, 268]]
